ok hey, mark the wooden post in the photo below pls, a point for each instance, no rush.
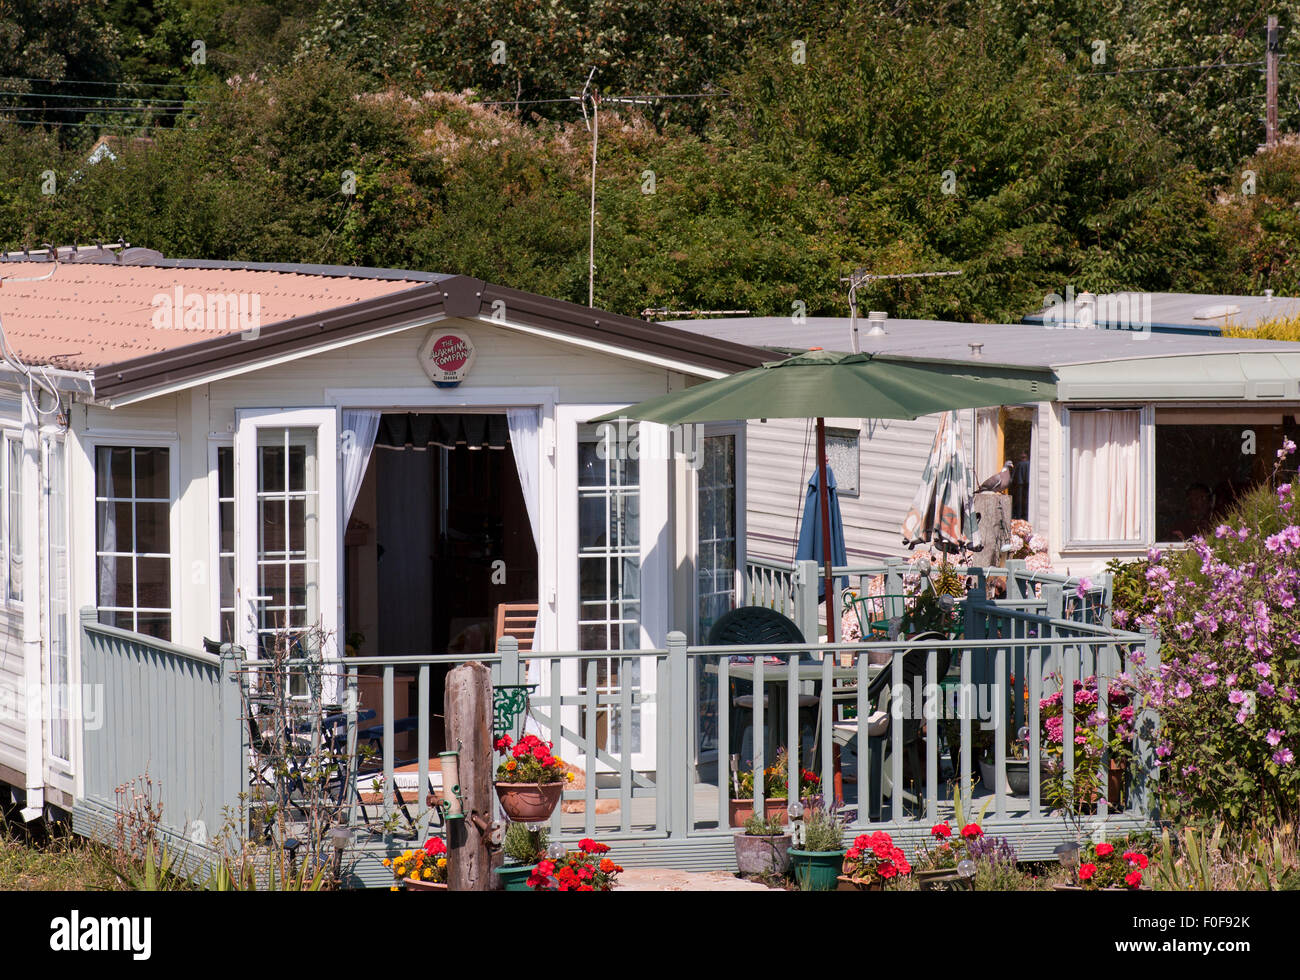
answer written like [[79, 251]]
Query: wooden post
[[1270, 84], [467, 706]]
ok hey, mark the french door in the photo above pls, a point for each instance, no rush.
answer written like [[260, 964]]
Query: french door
[[614, 573], [286, 502]]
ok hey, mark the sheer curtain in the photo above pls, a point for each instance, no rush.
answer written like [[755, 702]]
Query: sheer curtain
[[986, 444], [1105, 466], [525, 440], [360, 425]]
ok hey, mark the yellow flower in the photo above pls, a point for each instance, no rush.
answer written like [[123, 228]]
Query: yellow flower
[[388, 863], [568, 776], [427, 874], [442, 862], [394, 889]]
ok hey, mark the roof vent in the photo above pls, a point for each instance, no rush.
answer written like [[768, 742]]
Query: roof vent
[[1268, 295], [976, 350], [1216, 312], [876, 319]]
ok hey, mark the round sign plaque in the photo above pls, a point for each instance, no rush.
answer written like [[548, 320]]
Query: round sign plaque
[[447, 356]]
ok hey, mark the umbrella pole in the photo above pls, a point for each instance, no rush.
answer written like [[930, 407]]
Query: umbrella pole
[[823, 498]]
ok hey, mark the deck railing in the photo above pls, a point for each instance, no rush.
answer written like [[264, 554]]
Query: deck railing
[[629, 720], [168, 713]]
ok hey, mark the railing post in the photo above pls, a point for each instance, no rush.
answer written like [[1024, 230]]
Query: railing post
[[804, 596], [1017, 587], [1146, 762], [678, 781], [893, 587], [1054, 594], [232, 740]]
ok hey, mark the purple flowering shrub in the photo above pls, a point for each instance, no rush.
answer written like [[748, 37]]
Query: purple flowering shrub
[[1227, 610]]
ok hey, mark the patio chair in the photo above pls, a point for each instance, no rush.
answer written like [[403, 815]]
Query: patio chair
[[880, 727], [756, 626]]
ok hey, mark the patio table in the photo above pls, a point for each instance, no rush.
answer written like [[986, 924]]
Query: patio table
[[778, 675]]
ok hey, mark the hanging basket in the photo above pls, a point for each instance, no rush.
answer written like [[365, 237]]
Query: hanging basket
[[415, 885], [529, 802]]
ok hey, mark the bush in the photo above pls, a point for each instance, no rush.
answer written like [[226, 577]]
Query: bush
[[1226, 687]]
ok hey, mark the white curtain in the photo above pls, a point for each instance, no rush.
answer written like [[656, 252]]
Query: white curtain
[[525, 440], [360, 426], [987, 462], [1105, 466]]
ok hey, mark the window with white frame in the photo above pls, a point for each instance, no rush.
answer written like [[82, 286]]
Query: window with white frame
[[715, 589], [133, 538], [609, 574], [13, 517], [226, 541], [58, 613], [1105, 471], [844, 456]]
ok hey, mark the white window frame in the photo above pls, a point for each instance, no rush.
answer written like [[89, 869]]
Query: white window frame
[[47, 441], [325, 422], [214, 531], [9, 434], [1146, 479], [655, 565], [136, 440], [711, 430]]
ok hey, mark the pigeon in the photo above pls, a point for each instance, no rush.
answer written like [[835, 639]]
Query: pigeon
[[999, 481]]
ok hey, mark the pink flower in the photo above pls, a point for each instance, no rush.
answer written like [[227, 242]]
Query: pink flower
[[1283, 757], [1182, 689], [1274, 737], [1081, 590]]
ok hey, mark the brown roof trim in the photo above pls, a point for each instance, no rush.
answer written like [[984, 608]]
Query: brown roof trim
[[457, 296]]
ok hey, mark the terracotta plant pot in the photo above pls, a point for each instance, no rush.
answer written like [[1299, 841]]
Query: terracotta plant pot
[[773, 809], [529, 802], [414, 885], [1116, 776], [762, 855]]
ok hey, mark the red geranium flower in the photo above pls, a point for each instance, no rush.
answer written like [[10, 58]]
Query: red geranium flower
[[503, 743], [435, 846], [941, 830], [887, 870], [1135, 857], [545, 868], [1134, 879], [1086, 871], [1104, 849], [853, 854], [972, 830]]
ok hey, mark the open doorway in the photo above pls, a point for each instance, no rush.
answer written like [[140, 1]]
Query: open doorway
[[438, 539]]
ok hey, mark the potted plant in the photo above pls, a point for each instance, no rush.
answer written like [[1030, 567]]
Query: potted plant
[[873, 862], [584, 870], [939, 857], [422, 869], [763, 847], [1102, 867], [531, 780], [523, 848], [819, 858], [776, 790]]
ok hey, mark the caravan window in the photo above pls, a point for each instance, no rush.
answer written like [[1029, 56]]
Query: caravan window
[[133, 538], [1105, 459]]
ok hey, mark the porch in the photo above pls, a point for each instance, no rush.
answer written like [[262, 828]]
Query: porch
[[178, 713]]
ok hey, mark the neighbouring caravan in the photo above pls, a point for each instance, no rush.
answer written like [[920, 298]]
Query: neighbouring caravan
[[1151, 436]]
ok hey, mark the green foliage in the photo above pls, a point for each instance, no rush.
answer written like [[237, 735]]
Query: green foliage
[[757, 826], [524, 845], [823, 830]]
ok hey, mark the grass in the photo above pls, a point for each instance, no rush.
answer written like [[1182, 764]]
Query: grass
[[37, 858]]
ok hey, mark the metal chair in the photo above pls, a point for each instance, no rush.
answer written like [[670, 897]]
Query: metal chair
[[756, 626], [879, 726]]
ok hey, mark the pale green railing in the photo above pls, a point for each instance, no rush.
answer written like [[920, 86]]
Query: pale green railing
[[177, 713], [168, 713]]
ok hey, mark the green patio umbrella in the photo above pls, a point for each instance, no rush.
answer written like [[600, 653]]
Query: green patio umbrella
[[824, 383]]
